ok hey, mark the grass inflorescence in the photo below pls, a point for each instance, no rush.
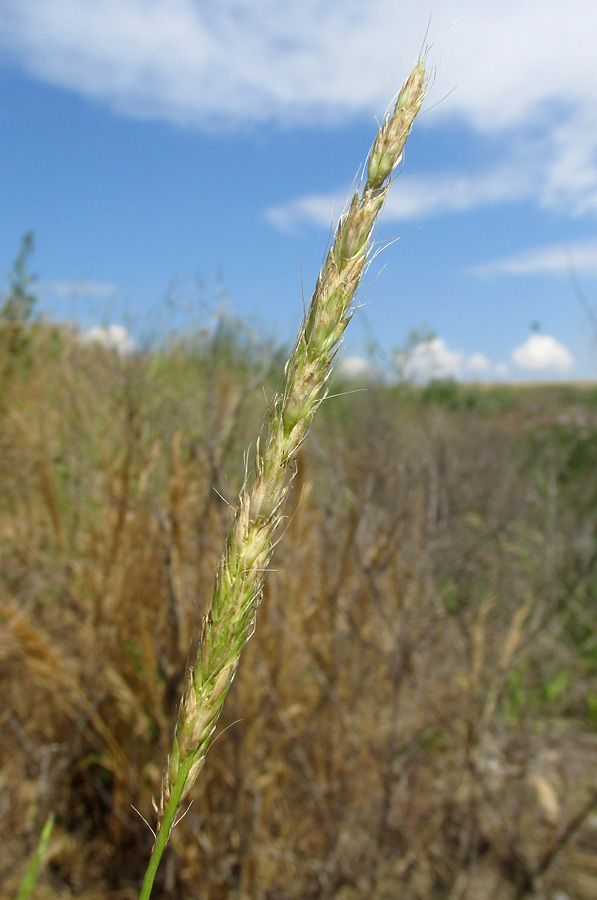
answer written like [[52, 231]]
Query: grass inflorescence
[[230, 620]]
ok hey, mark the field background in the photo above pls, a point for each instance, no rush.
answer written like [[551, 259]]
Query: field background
[[416, 714]]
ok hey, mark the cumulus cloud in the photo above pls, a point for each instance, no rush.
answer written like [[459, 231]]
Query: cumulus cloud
[[114, 337], [433, 359], [355, 367], [427, 360], [430, 359], [580, 256], [541, 352], [477, 364]]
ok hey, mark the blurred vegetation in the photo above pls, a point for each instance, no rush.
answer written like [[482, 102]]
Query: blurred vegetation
[[16, 308], [416, 715]]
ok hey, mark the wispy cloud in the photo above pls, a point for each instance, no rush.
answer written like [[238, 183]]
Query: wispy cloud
[[253, 60], [217, 65], [417, 197], [457, 192], [503, 69], [77, 288], [571, 181], [314, 209], [579, 257]]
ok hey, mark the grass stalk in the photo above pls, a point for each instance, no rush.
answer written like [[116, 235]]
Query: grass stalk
[[230, 620], [37, 859], [167, 823]]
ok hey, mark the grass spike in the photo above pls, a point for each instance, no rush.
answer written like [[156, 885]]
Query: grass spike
[[230, 620]]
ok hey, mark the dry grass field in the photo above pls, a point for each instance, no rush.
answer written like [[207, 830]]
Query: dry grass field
[[416, 714]]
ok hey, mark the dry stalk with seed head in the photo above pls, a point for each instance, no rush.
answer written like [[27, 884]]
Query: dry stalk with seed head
[[230, 620]]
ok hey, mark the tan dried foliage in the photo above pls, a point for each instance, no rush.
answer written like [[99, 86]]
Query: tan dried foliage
[[375, 742]]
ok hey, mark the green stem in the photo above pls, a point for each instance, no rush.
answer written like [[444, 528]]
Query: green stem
[[166, 826], [36, 860]]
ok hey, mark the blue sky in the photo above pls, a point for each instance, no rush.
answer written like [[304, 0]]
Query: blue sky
[[171, 155]]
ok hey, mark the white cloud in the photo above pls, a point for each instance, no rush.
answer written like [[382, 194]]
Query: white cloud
[[78, 288], [542, 352], [115, 337], [477, 363], [416, 197], [230, 62], [255, 60], [457, 192], [579, 256], [430, 359], [571, 180], [425, 361], [314, 209], [355, 367], [434, 359], [517, 68]]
